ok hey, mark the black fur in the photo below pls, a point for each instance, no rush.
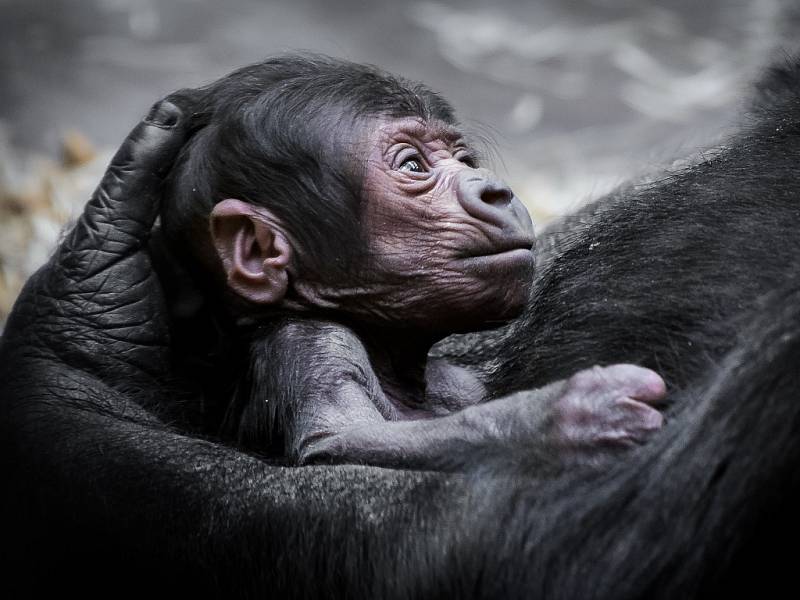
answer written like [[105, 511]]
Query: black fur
[[693, 275]]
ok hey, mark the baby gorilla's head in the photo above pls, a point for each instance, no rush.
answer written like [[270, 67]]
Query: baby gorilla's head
[[283, 134], [317, 184]]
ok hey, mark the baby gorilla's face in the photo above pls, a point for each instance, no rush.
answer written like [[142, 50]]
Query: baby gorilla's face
[[451, 246]]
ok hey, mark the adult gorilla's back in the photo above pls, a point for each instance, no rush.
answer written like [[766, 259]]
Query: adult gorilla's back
[[692, 275]]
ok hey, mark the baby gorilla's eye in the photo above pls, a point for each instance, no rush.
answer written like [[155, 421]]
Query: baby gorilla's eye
[[412, 165], [469, 161], [466, 157]]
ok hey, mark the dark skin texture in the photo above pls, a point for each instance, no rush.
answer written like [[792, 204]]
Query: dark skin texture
[[450, 249]]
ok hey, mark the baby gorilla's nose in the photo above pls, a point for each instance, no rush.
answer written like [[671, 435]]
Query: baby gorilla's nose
[[489, 199]]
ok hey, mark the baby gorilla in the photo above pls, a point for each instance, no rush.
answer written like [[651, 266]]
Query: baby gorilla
[[351, 228]]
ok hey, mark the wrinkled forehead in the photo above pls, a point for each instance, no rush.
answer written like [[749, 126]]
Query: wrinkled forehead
[[356, 142], [418, 128]]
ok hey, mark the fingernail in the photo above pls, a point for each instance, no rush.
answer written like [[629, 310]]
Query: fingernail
[[163, 114]]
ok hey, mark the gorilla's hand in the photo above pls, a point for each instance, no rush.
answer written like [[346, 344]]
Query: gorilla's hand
[[97, 305]]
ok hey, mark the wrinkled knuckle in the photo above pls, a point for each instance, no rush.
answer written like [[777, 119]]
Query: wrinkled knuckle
[[111, 186]]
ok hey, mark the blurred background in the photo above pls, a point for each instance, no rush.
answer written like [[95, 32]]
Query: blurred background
[[578, 95]]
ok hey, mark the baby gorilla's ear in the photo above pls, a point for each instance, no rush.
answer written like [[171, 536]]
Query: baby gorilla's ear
[[253, 250]]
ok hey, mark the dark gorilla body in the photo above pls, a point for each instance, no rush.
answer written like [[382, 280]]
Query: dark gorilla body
[[694, 275], [427, 244]]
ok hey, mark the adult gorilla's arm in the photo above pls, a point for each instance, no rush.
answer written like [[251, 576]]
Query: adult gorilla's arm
[[98, 485]]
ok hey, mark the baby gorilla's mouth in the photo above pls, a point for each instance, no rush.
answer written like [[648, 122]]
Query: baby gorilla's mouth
[[515, 245], [515, 261], [520, 245]]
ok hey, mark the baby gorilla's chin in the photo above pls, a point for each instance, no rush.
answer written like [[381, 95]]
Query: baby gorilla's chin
[[490, 290], [497, 303], [505, 280], [506, 307]]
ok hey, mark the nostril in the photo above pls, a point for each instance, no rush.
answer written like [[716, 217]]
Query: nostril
[[490, 200], [497, 195]]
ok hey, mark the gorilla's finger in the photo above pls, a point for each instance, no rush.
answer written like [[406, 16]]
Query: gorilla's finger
[[118, 218]]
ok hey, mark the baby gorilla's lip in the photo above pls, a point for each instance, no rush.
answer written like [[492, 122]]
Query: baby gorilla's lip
[[503, 247], [508, 259], [523, 244]]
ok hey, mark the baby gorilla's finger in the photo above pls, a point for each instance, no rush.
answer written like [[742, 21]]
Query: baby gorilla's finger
[[118, 218], [633, 381], [631, 423], [640, 420]]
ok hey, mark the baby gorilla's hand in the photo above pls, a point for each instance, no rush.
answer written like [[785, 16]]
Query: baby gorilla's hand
[[606, 408]]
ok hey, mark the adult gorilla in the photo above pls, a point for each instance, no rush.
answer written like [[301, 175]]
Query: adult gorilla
[[106, 487]]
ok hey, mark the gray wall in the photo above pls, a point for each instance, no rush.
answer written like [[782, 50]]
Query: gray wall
[[577, 94]]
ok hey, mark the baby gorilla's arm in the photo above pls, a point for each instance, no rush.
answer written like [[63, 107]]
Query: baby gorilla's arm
[[335, 410]]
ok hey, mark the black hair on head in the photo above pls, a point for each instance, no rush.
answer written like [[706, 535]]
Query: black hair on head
[[282, 134]]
